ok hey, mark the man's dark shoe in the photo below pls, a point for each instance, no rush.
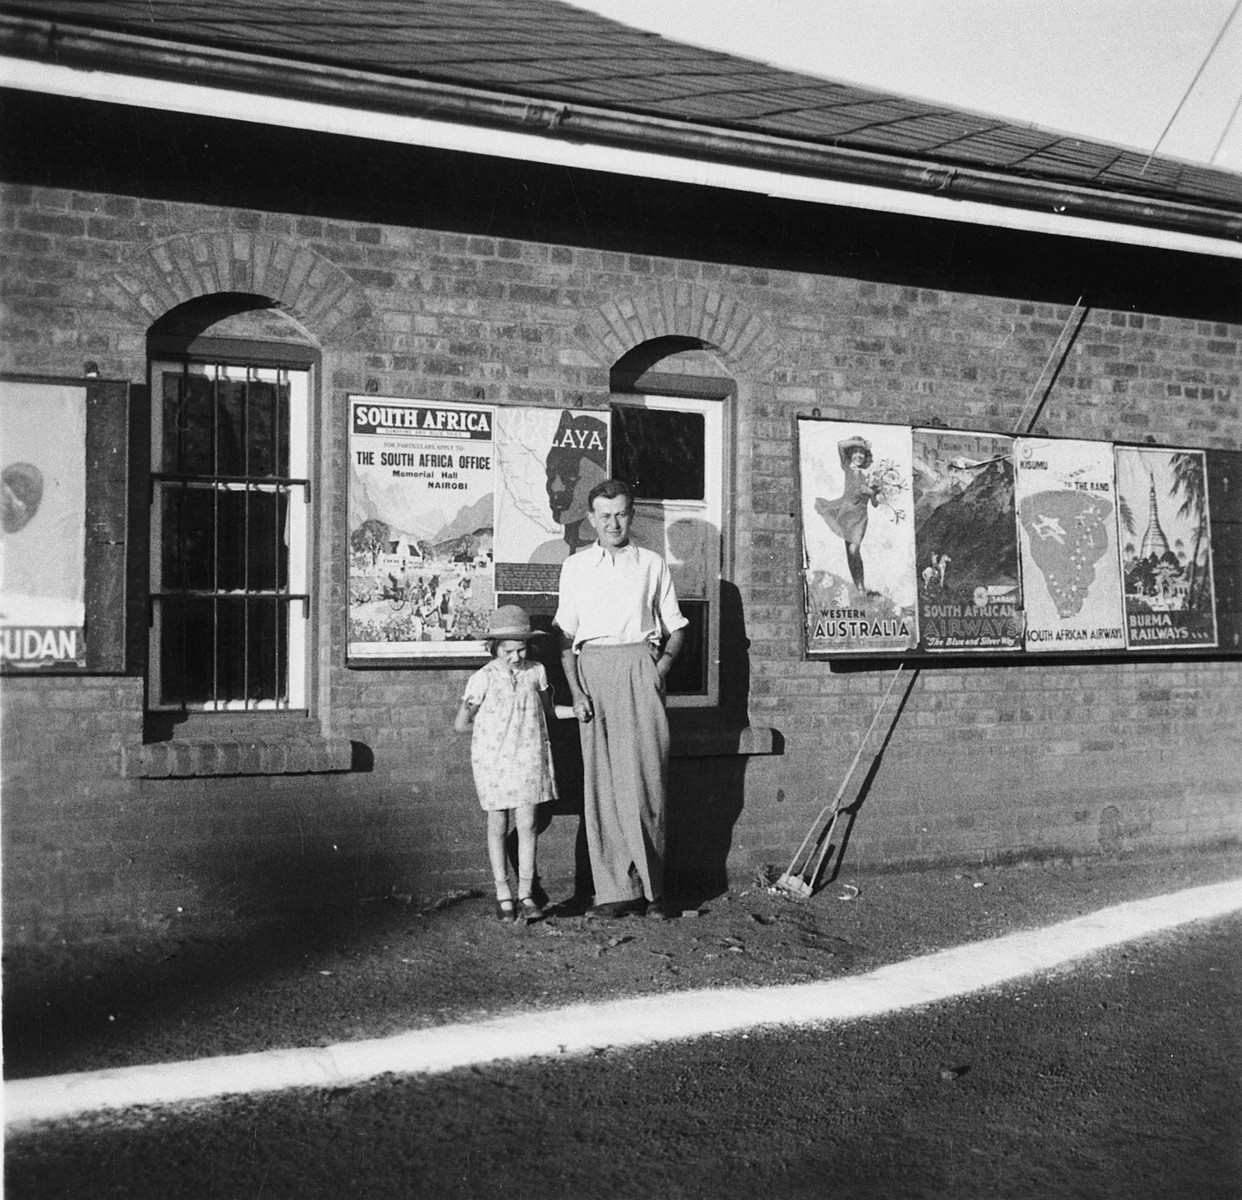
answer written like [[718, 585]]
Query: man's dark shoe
[[617, 908], [658, 911]]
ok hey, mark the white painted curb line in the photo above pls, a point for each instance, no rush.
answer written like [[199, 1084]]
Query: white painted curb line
[[642, 1020]]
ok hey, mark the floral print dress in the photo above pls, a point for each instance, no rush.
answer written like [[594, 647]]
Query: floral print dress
[[510, 751]]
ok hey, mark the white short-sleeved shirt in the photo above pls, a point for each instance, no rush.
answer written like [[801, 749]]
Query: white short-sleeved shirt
[[617, 599]]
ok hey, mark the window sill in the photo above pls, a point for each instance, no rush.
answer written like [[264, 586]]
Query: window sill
[[710, 741], [238, 754]]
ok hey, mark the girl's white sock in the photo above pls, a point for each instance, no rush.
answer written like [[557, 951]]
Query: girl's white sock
[[502, 890], [525, 886]]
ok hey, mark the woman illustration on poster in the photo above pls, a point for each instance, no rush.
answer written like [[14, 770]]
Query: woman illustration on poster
[[846, 516]]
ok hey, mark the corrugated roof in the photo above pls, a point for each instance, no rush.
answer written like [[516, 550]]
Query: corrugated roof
[[547, 50]]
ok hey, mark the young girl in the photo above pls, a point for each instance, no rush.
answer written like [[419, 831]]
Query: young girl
[[508, 702]]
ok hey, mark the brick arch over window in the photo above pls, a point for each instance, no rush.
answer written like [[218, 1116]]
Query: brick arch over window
[[319, 294], [712, 318]]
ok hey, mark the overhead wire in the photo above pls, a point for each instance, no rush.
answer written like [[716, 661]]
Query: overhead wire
[[1224, 133], [1191, 87]]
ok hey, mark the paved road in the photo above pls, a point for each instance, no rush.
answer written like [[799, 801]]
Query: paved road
[[1118, 1078]]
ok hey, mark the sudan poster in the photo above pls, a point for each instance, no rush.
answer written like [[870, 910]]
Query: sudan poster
[[1165, 552], [1067, 530], [857, 537], [420, 528], [547, 462], [43, 544], [966, 542]]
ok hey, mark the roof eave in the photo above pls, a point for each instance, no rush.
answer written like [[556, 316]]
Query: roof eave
[[84, 48]]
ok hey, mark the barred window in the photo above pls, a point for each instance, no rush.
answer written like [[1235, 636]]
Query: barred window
[[230, 501]]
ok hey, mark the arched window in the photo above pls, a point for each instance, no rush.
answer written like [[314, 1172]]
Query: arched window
[[231, 394], [669, 428]]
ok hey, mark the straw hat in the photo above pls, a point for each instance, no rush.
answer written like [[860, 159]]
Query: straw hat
[[510, 623]]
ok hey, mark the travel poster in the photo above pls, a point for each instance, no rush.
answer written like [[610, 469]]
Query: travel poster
[[43, 543], [1067, 530], [857, 536], [966, 542], [421, 503], [1166, 561], [547, 462]]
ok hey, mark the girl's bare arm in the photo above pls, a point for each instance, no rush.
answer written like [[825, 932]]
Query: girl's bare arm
[[465, 717]]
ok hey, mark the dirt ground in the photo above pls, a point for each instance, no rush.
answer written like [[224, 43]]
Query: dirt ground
[[389, 967]]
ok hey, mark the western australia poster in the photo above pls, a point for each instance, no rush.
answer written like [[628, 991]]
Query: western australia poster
[[857, 536]]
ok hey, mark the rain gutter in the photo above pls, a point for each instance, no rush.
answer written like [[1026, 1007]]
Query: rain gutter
[[121, 68]]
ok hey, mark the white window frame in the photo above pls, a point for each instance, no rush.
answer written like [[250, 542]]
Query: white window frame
[[297, 534], [711, 510]]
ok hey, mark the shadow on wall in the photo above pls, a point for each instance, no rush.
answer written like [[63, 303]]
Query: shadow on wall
[[706, 792], [567, 762], [706, 796]]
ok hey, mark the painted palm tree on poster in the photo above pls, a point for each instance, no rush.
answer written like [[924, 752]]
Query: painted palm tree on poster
[[1067, 533], [1165, 554], [857, 537]]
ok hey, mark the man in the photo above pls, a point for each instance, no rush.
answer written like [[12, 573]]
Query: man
[[617, 605]]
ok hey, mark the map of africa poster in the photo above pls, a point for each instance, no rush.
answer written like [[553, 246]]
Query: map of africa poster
[[1066, 496]]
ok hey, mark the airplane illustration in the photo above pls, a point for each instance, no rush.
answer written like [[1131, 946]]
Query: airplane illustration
[[1049, 527]]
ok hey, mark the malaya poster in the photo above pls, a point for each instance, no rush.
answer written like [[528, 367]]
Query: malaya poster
[[420, 528], [43, 543], [858, 537], [1067, 530], [547, 462], [1165, 548], [966, 542]]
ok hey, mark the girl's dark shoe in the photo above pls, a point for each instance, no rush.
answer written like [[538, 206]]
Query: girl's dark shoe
[[505, 911], [615, 909], [530, 910]]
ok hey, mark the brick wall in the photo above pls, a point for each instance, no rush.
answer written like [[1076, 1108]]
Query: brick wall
[[987, 763]]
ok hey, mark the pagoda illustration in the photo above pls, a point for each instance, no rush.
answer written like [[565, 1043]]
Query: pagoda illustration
[[1154, 541]]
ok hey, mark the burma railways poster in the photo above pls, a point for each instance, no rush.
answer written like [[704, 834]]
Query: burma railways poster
[[1166, 548]]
